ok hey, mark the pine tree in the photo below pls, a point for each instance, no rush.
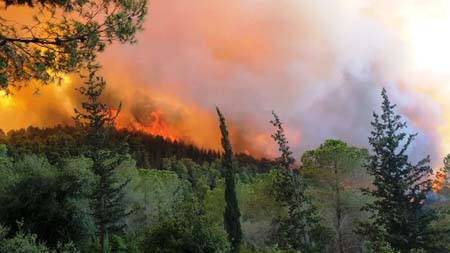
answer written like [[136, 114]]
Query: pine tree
[[398, 216], [97, 120], [301, 229], [232, 213]]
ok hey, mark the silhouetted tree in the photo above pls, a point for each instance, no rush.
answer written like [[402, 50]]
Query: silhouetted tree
[[232, 213], [97, 119], [398, 216], [301, 229]]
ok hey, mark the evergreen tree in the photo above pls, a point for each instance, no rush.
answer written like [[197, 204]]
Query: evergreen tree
[[232, 213], [398, 216], [301, 229], [97, 120]]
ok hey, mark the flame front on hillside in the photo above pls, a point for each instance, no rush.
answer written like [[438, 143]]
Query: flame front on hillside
[[151, 124]]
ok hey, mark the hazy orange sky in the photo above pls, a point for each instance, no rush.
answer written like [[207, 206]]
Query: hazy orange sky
[[319, 63]]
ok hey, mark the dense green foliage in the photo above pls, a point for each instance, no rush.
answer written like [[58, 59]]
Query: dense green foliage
[[186, 230], [39, 197], [28, 243], [157, 197], [147, 150], [335, 171]]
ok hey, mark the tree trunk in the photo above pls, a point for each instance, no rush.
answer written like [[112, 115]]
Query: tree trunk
[[338, 210], [102, 240], [103, 232]]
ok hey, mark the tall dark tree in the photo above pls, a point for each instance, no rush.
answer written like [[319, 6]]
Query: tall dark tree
[[301, 229], [232, 214], [97, 120], [398, 216]]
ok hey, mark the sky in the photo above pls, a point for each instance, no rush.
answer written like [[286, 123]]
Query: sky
[[319, 64]]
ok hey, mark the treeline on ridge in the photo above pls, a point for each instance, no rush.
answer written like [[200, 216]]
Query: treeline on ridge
[[147, 150]]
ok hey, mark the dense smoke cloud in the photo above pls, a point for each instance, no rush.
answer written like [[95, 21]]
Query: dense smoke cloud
[[319, 64]]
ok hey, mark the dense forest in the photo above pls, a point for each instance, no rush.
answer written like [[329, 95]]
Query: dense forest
[[147, 150], [89, 187]]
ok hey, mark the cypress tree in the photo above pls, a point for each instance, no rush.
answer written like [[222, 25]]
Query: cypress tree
[[301, 229], [97, 120], [232, 213], [398, 217]]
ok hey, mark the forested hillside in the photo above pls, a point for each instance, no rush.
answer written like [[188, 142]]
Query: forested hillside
[[147, 150], [175, 198]]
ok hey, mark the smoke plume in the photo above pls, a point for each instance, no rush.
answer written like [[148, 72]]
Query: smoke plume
[[319, 64]]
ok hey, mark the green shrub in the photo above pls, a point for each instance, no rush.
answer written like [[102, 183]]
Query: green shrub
[[188, 231]]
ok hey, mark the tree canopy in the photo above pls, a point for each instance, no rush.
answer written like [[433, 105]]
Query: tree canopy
[[336, 173], [57, 37]]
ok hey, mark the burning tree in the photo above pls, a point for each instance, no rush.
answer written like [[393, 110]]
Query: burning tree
[[398, 217], [97, 120], [441, 177]]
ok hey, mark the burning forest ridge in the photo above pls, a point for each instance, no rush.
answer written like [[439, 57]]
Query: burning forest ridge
[[143, 110], [289, 58]]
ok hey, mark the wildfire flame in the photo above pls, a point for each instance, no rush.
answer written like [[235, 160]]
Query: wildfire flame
[[5, 99], [346, 186], [438, 183], [152, 124]]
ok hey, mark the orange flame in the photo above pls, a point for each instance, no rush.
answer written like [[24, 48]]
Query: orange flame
[[421, 202], [152, 124], [346, 186], [438, 183]]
